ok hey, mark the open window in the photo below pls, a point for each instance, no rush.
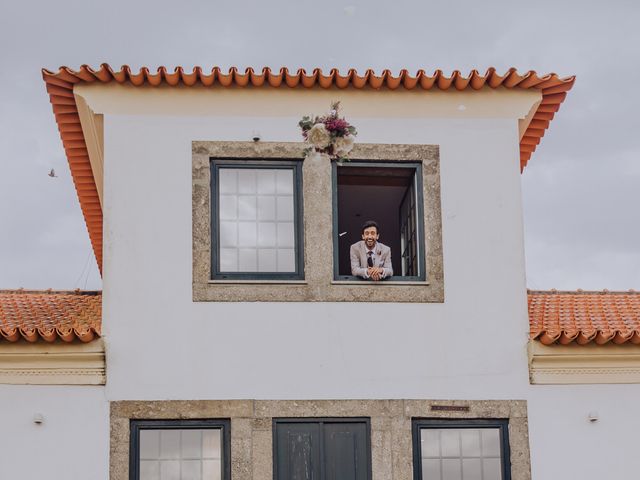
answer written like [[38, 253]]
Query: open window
[[389, 194]]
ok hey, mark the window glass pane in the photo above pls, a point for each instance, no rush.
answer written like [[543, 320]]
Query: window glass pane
[[248, 260], [256, 209], [228, 234], [472, 469], [211, 470], [451, 469], [191, 444], [247, 181], [430, 438], [211, 444], [191, 470], [180, 454], [267, 260], [228, 207], [149, 470], [229, 259], [266, 181], [286, 260], [491, 442], [247, 234], [169, 444], [450, 443], [470, 439], [266, 208], [149, 444], [465, 453], [284, 181], [431, 469], [247, 208], [228, 180], [491, 469], [266, 234], [170, 470], [285, 208], [285, 235]]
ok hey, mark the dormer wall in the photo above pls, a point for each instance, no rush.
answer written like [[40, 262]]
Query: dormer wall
[[471, 345]]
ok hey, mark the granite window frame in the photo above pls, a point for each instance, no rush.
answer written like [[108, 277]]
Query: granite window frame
[[252, 435], [298, 217], [318, 284], [501, 424], [137, 425]]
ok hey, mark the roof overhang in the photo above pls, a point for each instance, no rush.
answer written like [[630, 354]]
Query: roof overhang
[[81, 129]]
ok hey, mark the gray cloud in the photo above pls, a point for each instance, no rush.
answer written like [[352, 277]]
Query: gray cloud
[[580, 189]]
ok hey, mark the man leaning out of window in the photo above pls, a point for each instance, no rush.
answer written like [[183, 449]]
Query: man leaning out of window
[[370, 259]]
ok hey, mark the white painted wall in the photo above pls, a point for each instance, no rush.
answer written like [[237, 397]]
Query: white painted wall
[[71, 444], [471, 346], [565, 445], [161, 345]]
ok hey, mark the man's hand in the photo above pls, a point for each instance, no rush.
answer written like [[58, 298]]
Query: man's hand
[[375, 273]]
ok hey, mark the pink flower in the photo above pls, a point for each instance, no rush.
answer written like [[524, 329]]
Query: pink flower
[[336, 125]]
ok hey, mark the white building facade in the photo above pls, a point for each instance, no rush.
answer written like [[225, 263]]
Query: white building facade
[[257, 353]]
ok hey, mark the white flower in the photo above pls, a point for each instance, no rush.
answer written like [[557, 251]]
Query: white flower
[[343, 145], [319, 136]]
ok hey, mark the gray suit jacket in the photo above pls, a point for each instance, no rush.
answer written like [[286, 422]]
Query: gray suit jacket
[[358, 254]]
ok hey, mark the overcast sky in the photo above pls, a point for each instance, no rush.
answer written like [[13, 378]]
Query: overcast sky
[[581, 189]]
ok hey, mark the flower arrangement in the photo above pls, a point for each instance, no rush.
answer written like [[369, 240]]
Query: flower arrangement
[[329, 134]]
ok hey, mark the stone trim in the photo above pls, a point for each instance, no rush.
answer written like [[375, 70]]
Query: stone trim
[[319, 285], [583, 364], [56, 363], [252, 436]]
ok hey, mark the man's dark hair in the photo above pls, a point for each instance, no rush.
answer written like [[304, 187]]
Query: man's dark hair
[[369, 224]]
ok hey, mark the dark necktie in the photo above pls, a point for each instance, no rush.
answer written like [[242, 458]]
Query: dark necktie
[[369, 259]]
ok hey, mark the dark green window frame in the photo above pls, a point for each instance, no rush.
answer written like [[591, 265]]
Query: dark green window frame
[[366, 421], [421, 423], [224, 425], [417, 167], [269, 164]]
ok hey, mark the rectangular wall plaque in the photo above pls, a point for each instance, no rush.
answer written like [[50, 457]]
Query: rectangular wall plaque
[[449, 408]]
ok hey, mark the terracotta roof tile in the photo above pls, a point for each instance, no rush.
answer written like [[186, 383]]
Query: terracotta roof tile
[[60, 88], [554, 317], [50, 315], [584, 317]]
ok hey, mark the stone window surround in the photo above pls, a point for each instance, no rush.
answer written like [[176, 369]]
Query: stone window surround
[[319, 284], [252, 429]]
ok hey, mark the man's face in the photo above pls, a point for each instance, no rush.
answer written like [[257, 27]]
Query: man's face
[[370, 236]]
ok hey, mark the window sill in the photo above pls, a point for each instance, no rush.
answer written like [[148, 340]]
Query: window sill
[[257, 282]]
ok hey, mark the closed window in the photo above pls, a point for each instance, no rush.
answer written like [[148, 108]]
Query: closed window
[[328, 449], [179, 450], [256, 227], [461, 450]]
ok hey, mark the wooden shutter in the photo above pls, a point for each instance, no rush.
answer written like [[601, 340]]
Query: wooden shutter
[[321, 450]]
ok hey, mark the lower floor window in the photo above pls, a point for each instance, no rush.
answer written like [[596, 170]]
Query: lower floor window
[[179, 450], [327, 449], [461, 450]]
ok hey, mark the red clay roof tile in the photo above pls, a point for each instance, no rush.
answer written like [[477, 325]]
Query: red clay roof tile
[[554, 317], [584, 317], [60, 88], [49, 315]]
